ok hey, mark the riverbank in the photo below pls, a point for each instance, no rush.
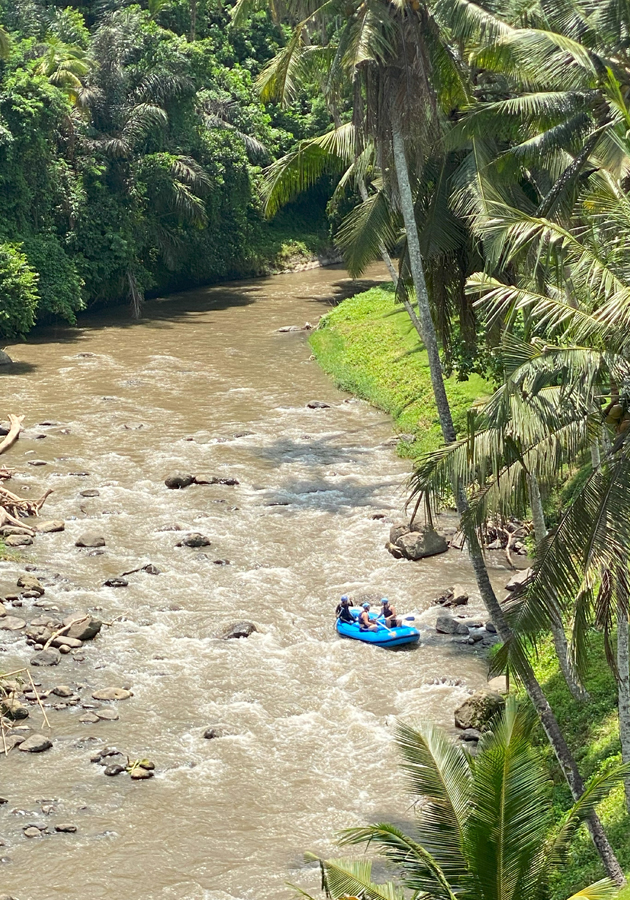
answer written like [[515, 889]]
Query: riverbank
[[369, 347], [368, 352]]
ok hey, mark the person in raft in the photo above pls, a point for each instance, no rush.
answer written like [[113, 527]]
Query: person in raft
[[364, 620], [343, 610], [389, 614]]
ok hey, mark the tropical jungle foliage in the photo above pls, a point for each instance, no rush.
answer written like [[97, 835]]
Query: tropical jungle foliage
[[131, 142]]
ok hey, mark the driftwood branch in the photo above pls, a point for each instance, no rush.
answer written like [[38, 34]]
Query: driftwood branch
[[63, 630], [15, 426], [7, 519], [16, 506]]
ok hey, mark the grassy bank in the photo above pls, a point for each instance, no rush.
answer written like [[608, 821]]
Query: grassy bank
[[367, 344], [592, 732]]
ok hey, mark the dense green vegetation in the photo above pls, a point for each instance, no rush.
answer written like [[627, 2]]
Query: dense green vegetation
[[592, 731], [370, 348], [131, 145]]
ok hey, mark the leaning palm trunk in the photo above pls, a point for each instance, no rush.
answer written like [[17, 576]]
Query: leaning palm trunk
[[623, 689], [557, 629], [429, 336], [526, 673]]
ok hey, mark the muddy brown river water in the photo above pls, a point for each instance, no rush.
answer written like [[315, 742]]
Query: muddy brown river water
[[205, 384]]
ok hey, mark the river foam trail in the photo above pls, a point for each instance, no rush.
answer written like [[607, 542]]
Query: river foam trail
[[205, 384]]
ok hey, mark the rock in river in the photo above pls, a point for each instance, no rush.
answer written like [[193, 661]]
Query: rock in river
[[112, 693], [449, 625], [478, 710], [420, 544], [62, 690], [518, 579], [13, 709], [83, 627], [30, 583], [194, 540], [5, 359], [239, 630], [36, 743], [12, 623], [51, 527], [177, 481], [18, 540], [46, 658], [317, 404], [66, 828], [90, 539]]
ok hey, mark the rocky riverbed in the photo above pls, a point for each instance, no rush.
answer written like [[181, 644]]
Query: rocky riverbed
[[231, 755]]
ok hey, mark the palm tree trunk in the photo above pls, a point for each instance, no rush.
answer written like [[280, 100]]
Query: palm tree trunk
[[544, 711], [596, 460], [533, 688], [193, 20], [557, 628], [429, 337], [623, 689]]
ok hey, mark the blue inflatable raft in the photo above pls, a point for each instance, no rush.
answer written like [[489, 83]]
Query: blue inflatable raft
[[384, 637]]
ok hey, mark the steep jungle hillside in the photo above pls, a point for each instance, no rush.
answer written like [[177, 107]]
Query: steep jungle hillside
[[131, 146]]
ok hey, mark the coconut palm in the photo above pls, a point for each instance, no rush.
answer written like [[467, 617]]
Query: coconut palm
[[485, 826], [573, 287], [405, 77], [65, 66]]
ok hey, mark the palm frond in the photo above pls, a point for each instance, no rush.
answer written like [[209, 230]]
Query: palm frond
[[369, 227]]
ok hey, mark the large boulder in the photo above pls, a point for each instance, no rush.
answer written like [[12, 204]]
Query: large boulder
[[479, 710], [239, 630], [449, 625], [83, 627], [30, 583], [48, 657], [194, 540], [13, 709], [397, 531], [18, 540], [51, 527], [518, 579], [5, 359], [177, 481], [36, 743], [420, 544]]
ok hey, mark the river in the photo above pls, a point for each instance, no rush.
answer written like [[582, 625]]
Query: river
[[205, 384]]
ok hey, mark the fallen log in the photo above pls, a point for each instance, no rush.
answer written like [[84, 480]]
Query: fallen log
[[15, 423]]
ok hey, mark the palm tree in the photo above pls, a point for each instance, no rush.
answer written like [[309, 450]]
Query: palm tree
[[396, 57], [65, 66], [485, 828], [573, 287]]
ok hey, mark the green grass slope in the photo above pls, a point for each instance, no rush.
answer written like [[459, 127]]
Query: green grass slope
[[369, 347], [592, 732]]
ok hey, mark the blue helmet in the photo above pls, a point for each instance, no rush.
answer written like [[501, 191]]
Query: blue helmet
[[365, 605]]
